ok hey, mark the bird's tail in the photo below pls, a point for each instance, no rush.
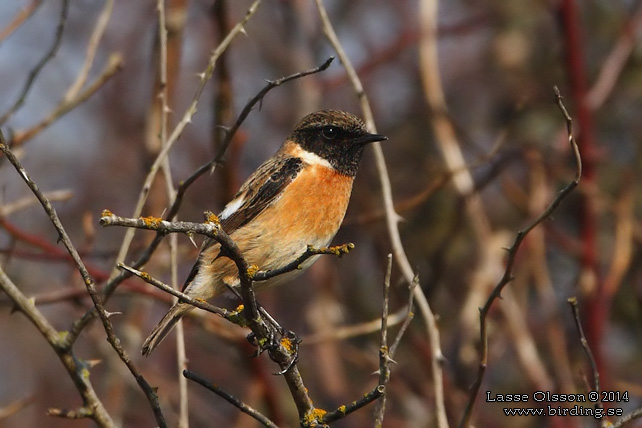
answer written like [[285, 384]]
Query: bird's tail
[[165, 325]]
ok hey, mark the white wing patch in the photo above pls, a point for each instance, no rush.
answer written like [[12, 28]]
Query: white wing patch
[[231, 207]]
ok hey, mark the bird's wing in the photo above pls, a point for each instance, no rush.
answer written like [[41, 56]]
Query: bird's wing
[[260, 190]]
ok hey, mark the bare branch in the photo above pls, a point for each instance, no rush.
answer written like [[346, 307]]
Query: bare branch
[[89, 284], [384, 351], [258, 98], [92, 47], [20, 19], [114, 65], [345, 410], [635, 414], [33, 74], [173, 137], [512, 252], [243, 407], [179, 295], [392, 218], [572, 301]]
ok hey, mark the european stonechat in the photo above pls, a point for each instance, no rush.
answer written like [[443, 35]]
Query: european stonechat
[[296, 198]]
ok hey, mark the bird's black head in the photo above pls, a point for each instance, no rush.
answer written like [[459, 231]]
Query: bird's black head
[[335, 136]]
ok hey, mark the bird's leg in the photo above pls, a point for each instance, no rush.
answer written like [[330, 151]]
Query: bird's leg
[[290, 341], [275, 330], [278, 338]]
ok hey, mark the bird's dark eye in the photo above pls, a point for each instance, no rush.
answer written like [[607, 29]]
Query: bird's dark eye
[[329, 132]]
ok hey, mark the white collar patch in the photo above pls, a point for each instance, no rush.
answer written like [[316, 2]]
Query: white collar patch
[[311, 158]]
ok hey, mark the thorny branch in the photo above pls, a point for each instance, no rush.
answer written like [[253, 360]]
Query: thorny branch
[[512, 252], [279, 345]]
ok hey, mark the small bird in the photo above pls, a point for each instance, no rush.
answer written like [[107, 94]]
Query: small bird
[[296, 198]]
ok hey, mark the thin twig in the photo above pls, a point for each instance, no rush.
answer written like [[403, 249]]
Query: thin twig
[[114, 65], [572, 301], [182, 297], [15, 406], [186, 118], [33, 74], [163, 97], [346, 409], [408, 318], [337, 250], [384, 351], [512, 252], [9, 208], [20, 18], [74, 366], [361, 329], [392, 219], [243, 407], [92, 47], [257, 99], [635, 414]]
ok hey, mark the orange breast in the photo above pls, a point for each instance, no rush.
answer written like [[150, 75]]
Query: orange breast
[[310, 214]]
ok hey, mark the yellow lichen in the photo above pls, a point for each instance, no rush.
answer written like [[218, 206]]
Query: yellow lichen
[[152, 222], [106, 213], [84, 372], [288, 344], [313, 416], [252, 270], [210, 217], [339, 250], [236, 317]]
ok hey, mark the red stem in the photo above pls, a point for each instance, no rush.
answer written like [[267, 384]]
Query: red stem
[[598, 309]]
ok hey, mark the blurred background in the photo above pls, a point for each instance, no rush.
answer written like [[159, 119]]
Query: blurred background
[[462, 199]]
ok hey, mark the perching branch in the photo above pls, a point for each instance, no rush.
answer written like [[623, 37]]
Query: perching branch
[[280, 346], [337, 250], [510, 263]]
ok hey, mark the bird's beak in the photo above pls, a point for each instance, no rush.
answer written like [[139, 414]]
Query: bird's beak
[[370, 138]]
